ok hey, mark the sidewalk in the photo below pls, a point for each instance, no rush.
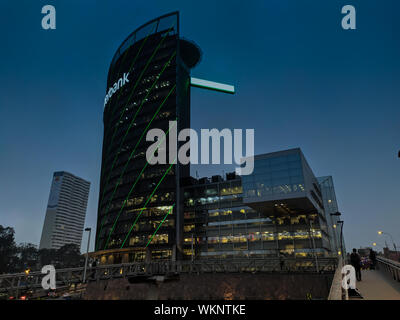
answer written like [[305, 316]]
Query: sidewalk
[[377, 285]]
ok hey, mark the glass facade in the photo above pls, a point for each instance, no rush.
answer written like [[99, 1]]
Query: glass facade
[[139, 203], [270, 213], [278, 175], [331, 207]]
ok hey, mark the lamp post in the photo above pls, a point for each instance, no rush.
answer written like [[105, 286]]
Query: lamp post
[[313, 244], [338, 214], [87, 254], [394, 245], [341, 236], [375, 244], [192, 257]]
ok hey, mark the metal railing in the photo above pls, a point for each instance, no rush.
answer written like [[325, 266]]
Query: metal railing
[[65, 277], [214, 266], [14, 283], [390, 266]]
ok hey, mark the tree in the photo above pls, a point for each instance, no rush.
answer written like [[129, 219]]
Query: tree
[[48, 256], [70, 256], [27, 256], [15, 258], [8, 250]]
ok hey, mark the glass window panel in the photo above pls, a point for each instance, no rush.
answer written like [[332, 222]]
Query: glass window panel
[[294, 164], [278, 160], [296, 172], [280, 174], [280, 181], [296, 179], [293, 156], [280, 166]]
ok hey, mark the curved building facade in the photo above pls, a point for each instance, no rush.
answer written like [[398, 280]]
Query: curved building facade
[[148, 86]]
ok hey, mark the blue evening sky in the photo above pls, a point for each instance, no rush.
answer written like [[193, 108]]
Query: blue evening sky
[[302, 81]]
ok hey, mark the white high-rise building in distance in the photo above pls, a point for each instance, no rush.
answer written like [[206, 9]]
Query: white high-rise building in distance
[[66, 211]]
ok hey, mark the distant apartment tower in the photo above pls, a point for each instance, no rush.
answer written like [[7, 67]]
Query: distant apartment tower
[[66, 210]]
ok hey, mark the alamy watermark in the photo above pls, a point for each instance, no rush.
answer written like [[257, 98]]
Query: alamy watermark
[[49, 280], [49, 20], [189, 151], [349, 277]]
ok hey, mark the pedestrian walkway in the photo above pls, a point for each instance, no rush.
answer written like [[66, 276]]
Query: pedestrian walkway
[[378, 285]]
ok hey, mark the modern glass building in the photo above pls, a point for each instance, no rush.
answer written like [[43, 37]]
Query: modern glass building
[[283, 186], [219, 225], [148, 86], [277, 211], [331, 209], [66, 211], [157, 211]]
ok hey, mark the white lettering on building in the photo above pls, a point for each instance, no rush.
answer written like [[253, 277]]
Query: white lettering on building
[[117, 85]]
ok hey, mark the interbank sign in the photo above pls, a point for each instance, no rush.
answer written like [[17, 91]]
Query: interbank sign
[[117, 85]]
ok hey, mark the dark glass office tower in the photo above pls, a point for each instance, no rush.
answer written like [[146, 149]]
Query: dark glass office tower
[[148, 86]]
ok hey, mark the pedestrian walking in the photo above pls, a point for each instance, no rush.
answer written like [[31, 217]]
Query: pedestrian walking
[[372, 257], [355, 261]]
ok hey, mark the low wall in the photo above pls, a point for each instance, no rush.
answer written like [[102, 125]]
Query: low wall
[[216, 286]]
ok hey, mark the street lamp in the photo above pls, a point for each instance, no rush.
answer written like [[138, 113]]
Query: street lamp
[[313, 244], [375, 244], [87, 254], [394, 245], [338, 214], [192, 257], [341, 236]]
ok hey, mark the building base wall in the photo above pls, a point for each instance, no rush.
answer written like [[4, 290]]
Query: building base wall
[[217, 286]]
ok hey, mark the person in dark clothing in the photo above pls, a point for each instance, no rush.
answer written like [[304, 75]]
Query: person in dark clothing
[[94, 265], [372, 257], [355, 261]]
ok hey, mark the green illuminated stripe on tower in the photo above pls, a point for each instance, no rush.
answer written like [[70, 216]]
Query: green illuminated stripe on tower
[[130, 68], [168, 213], [137, 82], [147, 201], [138, 177], [134, 60], [130, 157], [132, 121], [123, 111]]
